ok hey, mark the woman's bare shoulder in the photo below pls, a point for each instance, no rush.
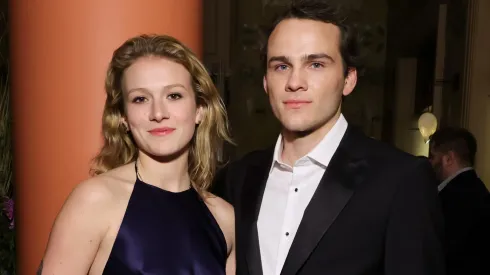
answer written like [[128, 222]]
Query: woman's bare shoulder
[[103, 188], [223, 208], [83, 222]]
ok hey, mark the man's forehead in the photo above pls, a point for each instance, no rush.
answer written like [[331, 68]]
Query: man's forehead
[[305, 31]]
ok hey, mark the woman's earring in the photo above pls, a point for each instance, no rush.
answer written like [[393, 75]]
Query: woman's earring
[[126, 128]]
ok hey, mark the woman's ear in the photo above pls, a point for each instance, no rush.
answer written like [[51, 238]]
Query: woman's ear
[[124, 123], [199, 115]]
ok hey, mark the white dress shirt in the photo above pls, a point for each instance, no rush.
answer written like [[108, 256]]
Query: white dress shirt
[[287, 193]]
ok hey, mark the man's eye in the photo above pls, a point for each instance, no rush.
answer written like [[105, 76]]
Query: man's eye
[[281, 67], [316, 65]]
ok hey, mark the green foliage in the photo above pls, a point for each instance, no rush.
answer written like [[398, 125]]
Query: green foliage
[[7, 231], [7, 246]]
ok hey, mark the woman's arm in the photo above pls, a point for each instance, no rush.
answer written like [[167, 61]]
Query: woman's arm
[[77, 231], [224, 213], [231, 261]]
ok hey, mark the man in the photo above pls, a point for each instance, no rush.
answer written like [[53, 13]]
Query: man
[[465, 201], [327, 199]]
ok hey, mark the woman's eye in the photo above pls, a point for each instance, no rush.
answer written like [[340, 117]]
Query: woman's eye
[[138, 99], [174, 96]]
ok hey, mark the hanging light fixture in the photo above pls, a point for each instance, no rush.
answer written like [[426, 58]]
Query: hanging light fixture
[[427, 125]]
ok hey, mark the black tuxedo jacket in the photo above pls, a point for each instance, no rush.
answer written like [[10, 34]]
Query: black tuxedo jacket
[[466, 208], [375, 211]]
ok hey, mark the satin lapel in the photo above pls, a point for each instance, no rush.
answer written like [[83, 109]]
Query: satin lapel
[[345, 171], [253, 191]]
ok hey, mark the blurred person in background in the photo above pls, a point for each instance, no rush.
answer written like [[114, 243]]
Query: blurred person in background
[[465, 201]]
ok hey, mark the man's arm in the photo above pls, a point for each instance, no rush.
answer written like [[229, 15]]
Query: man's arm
[[469, 239], [221, 186], [414, 237]]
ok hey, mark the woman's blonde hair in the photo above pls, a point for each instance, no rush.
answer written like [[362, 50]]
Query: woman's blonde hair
[[119, 147]]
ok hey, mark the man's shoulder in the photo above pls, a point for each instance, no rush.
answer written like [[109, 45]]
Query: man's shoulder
[[391, 164], [229, 178], [382, 152], [391, 151], [466, 185], [261, 156]]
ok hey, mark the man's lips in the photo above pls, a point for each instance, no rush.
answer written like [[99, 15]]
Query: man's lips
[[296, 103], [161, 131]]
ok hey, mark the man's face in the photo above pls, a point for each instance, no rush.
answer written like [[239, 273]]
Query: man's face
[[437, 160], [305, 77]]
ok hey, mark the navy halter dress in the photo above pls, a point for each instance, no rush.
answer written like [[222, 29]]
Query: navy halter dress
[[167, 233]]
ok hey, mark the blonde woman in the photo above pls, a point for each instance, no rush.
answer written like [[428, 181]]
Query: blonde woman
[[146, 210]]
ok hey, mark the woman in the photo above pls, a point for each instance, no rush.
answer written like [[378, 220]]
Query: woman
[[147, 211]]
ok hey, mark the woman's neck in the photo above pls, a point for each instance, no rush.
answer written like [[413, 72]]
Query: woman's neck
[[171, 174]]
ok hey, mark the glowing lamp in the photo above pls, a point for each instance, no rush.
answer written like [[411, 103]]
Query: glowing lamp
[[427, 125]]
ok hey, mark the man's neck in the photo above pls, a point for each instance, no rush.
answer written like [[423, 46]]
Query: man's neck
[[456, 171], [453, 175], [296, 145]]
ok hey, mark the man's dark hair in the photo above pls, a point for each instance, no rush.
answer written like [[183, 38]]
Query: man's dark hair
[[323, 11], [458, 140]]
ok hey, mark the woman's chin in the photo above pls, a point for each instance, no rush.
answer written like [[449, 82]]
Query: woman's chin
[[166, 155]]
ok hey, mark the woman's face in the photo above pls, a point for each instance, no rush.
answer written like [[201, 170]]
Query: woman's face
[[160, 103]]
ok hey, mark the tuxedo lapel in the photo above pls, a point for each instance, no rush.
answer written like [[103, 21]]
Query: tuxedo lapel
[[253, 191], [336, 187]]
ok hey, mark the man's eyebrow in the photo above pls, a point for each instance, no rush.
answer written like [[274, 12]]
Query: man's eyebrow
[[315, 56], [281, 58], [306, 57]]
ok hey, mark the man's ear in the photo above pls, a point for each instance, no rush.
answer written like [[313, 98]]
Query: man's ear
[[350, 81], [448, 158], [264, 82]]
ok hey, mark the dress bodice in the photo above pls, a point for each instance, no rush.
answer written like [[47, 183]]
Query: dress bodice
[[163, 232]]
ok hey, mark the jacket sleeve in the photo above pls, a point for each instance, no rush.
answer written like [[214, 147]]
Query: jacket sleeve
[[222, 186], [414, 237]]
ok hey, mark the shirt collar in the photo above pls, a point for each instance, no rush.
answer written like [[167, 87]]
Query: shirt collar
[[324, 150], [446, 181]]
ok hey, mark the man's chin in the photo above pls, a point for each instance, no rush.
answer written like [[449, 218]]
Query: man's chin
[[296, 128], [300, 129]]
